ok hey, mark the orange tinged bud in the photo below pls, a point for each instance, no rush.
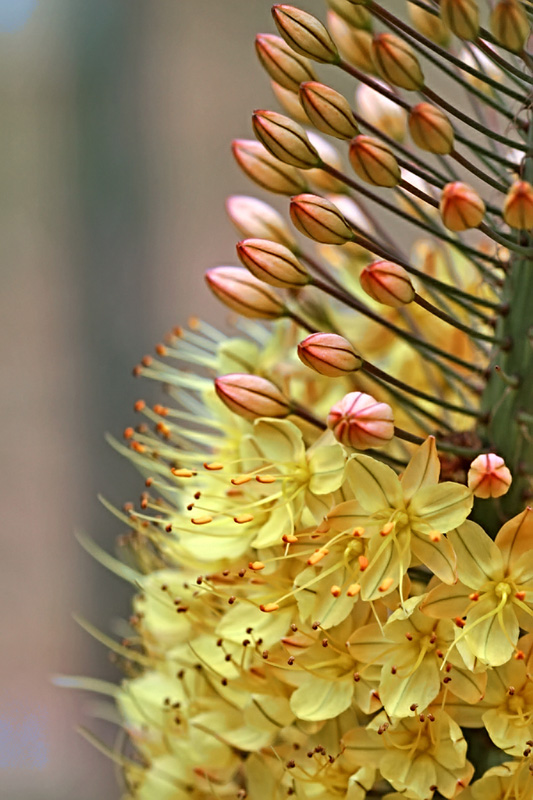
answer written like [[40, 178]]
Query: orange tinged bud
[[328, 110], [510, 25], [351, 13], [305, 34], [396, 62], [461, 207], [244, 293], [518, 206], [273, 263], [431, 129], [488, 476], [429, 25], [281, 62], [284, 139], [388, 283], [319, 219], [266, 170], [329, 354], [251, 396], [361, 421], [462, 17], [355, 44], [255, 219], [373, 162]]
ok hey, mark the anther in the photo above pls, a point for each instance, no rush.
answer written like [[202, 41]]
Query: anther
[[393, 670], [433, 638], [409, 636], [290, 661], [264, 654], [267, 607], [325, 642], [241, 573], [289, 538], [182, 473], [386, 529], [459, 622], [294, 627], [363, 563], [520, 595], [265, 478], [317, 556], [519, 655], [357, 532], [335, 590], [139, 405], [203, 519], [422, 718], [231, 600], [240, 519], [356, 677], [447, 679], [353, 589], [224, 681], [511, 691], [431, 717], [291, 764], [240, 479], [474, 596], [413, 706], [227, 657], [128, 433], [161, 350], [199, 580], [256, 565], [385, 585], [215, 466], [435, 536]]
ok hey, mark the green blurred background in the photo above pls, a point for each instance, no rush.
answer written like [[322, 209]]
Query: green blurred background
[[116, 121]]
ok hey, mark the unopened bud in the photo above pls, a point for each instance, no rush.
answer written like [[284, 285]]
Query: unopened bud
[[329, 354], [244, 293], [431, 129], [284, 139], [429, 25], [319, 178], [380, 111], [255, 219], [510, 25], [388, 283], [305, 34], [461, 207], [355, 15], [396, 62], [462, 17], [355, 44], [251, 396], [328, 110], [268, 172], [488, 476], [360, 421], [319, 219], [272, 263], [281, 62], [518, 206], [373, 162], [290, 102]]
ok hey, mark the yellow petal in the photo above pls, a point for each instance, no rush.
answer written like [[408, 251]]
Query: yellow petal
[[515, 537], [422, 470], [492, 639], [445, 602], [437, 554], [326, 467], [319, 699], [399, 693], [478, 558], [279, 440], [375, 485], [441, 507]]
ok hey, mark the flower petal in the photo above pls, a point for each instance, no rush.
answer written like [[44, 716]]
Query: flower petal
[[437, 554], [478, 558], [422, 470], [319, 699], [326, 467], [375, 485], [441, 507], [279, 441], [516, 536]]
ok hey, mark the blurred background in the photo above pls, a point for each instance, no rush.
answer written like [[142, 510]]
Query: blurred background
[[116, 121]]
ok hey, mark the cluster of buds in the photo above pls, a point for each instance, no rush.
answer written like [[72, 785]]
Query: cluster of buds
[[334, 542]]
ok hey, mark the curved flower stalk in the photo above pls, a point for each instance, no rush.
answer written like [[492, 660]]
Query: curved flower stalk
[[332, 552]]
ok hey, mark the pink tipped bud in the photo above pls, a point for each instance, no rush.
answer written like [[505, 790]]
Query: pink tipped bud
[[388, 283], [518, 206], [243, 293], [255, 219], [290, 102], [272, 263], [319, 219], [510, 25], [354, 43], [488, 476], [462, 17], [381, 112], [431, 129], [251, 397], [355, 15], [267, 171], [429, 25], [360, 421], [281, 62], [396, 62], [284, 139], [329, 354], [305, 34], [373, 162], [461, 207], [328, 110]]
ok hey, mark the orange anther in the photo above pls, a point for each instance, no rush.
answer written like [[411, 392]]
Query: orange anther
[[385, 585], [363, 563], [203, 519], [435, 536], [353, 590], [265, 478], [128, 433], [182, 473], [358, 532], [160, 349], [289, 538], [267, 607], [161, 410], [240, 479], [317, 556], [256, 565], [242, 518], [214, 466], [474, 596], [147, 361], [335, 590], [459, 622], [139, 405], [519, 655], [520, 595], [139, 448], [387, 528]]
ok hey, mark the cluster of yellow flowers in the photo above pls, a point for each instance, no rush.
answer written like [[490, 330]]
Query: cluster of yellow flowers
[[334, 562]]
